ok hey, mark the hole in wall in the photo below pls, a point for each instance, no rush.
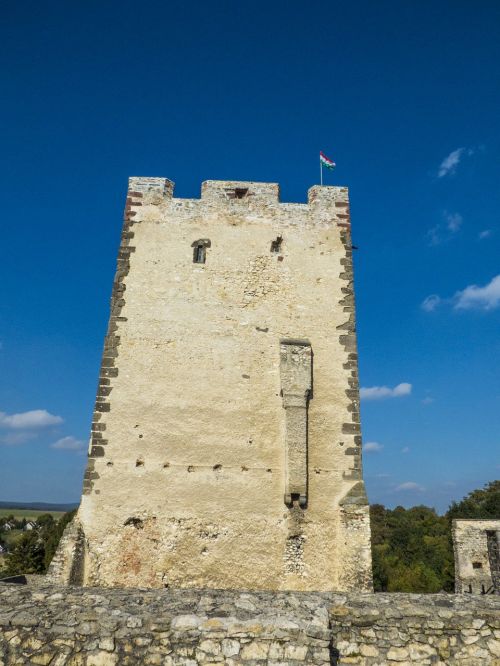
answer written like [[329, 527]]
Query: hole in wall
[[240, 192], [190, 468], [244, 468], [166, 465], [276, 244], [138, 523], [477, 565], [109, 464], [139, 462], [217, 467]]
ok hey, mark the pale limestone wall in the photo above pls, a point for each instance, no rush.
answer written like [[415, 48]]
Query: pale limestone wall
[[477, 557], [187, 466]]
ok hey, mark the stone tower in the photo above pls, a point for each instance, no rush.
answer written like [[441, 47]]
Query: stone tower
[[226, 445]]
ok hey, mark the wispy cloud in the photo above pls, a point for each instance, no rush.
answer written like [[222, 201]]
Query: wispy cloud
[[372, 447], [427, 400], [446, 230], [472, 297], [450, 163], [430, 303], [410, 486], [479, 298], [381, 392], [34, 419], [453, 221], [405, 449], [486, 233], [68, 443]]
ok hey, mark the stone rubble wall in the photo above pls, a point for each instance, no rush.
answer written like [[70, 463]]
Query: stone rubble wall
[[100, 627]]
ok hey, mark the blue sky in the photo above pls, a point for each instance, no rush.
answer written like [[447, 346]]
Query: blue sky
[[405, 96]]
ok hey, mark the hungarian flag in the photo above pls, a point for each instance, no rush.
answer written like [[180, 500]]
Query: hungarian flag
[[326, 161]]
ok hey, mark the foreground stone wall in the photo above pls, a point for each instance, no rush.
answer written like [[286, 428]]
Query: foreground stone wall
[[99, 627]]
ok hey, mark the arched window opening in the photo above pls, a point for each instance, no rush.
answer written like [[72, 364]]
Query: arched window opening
[[200, 250]]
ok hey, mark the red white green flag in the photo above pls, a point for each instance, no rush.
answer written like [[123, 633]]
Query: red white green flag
[[326, 161]]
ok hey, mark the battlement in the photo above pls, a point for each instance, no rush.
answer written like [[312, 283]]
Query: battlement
[[243, 192]]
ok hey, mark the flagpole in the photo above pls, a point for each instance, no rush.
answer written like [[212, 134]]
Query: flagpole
[[321, 172]]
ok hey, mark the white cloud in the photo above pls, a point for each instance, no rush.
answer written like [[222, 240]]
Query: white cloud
[[430, 303], [453, 221], [410, 486], [482, 235], [405, 449], [37, 418], [380, 392], [372, 447], [446, 230], [480, 298], [450, 162], [69, 443]]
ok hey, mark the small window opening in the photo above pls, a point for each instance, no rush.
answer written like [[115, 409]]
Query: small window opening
[[477, 565], [200, 250], [199, 255], [276, 245], [240, 192]]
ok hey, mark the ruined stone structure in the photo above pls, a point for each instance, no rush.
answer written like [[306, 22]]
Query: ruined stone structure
[[476, 544], [226, 444]]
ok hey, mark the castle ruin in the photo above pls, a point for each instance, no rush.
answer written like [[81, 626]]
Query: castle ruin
[[226, 442], [476, 544]]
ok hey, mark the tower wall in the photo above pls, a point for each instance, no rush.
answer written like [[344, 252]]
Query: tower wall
[[226, 445]]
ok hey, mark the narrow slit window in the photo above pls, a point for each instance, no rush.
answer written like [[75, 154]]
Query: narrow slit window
[[199, 254], [200, 250], [477, 565]]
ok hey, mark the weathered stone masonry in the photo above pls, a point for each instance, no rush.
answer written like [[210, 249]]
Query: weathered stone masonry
[[102, 627], [204, 468], [476, 544]]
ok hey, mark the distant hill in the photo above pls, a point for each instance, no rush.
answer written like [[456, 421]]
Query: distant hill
[[38, 506]]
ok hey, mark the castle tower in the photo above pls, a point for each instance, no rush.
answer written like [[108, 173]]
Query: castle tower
[[226, 445]]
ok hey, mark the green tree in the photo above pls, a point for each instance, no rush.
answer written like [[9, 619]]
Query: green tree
[[482, 503], [54, 535], [34, 550], [27, 556]]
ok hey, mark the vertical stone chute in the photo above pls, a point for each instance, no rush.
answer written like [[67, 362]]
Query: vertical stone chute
[[296, 386]]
